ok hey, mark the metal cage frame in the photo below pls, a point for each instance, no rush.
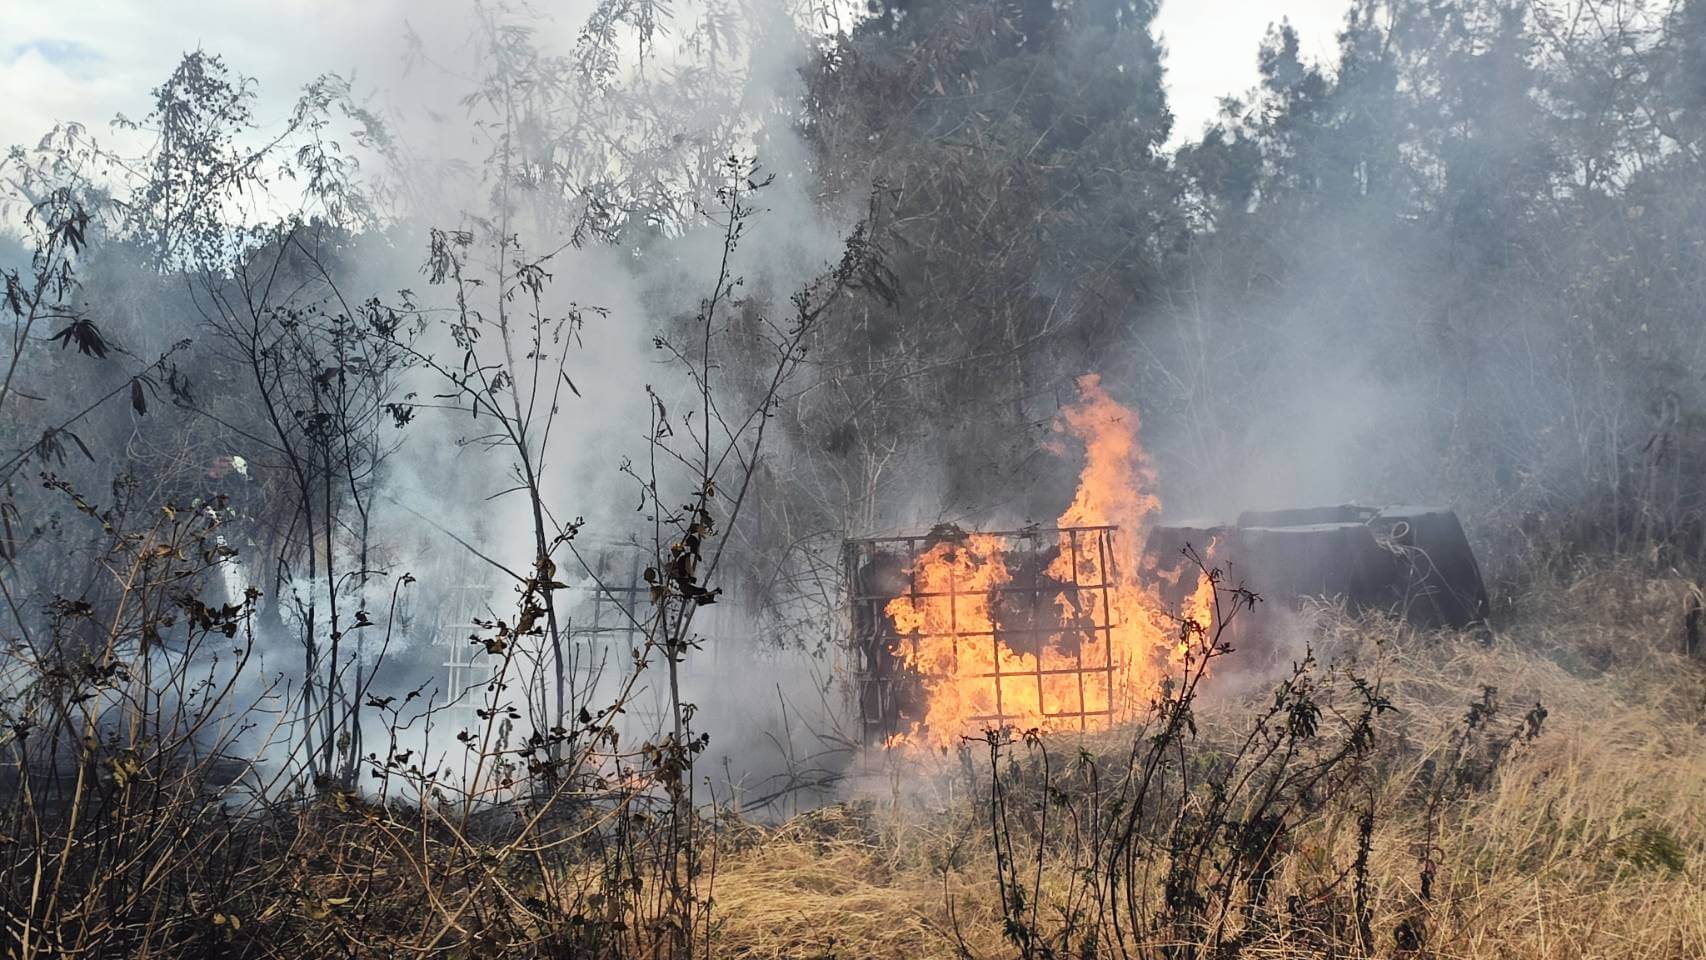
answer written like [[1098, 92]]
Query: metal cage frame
[[596, 624], [882, 683]]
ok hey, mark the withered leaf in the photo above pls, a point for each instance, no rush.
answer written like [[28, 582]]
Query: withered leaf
[[83, 332]]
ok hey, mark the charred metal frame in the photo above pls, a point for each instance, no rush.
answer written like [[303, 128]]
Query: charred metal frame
[[888, 692]]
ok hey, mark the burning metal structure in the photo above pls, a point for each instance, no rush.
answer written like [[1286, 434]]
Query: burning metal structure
[[954, 631], [1037, 646], [1054, 628], [1073, 626]]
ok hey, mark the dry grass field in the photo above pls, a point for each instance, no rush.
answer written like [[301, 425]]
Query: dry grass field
[[1585, 840], [1396, 794]]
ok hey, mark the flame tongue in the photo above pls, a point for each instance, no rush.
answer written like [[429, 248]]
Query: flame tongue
[[1115, 638], [1116, 484]]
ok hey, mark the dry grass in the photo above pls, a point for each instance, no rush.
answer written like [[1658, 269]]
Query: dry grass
[[1588, 843]]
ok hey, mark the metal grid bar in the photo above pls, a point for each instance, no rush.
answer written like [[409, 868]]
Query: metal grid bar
[[1005, 591], [1024, 533], [600, 625], [613, 626], [883, 683], [464, 673]]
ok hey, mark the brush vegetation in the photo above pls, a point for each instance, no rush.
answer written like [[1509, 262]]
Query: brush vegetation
[[294, 408]]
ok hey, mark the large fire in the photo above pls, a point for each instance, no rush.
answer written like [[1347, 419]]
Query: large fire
[[1116, 639]]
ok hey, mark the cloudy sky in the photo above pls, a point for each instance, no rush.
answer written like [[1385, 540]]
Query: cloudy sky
[[1211, 47], [104, 59]]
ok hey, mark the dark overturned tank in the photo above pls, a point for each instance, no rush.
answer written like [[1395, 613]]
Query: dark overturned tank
[[1413, 562]]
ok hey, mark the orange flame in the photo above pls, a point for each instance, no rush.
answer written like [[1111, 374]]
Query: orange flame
[[1106, 663]]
